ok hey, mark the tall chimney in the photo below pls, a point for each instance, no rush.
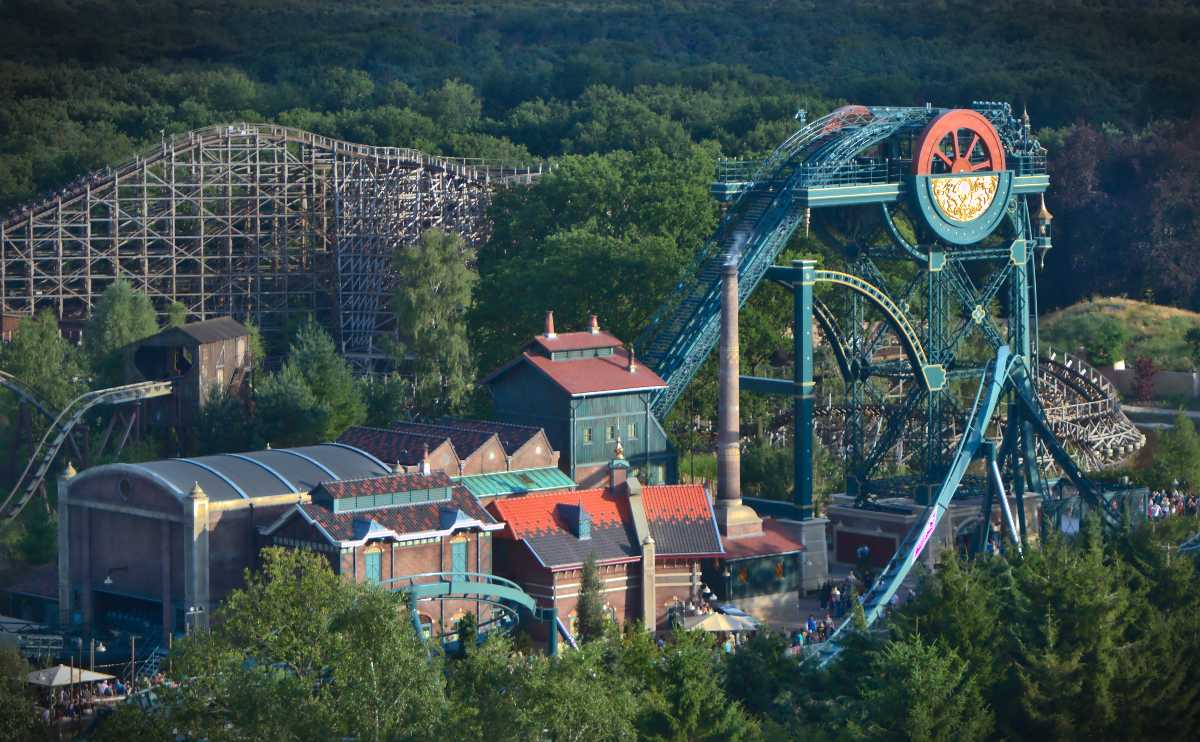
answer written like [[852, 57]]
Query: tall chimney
[[594, 325], [550, 324], [733, 517], [632, 360]]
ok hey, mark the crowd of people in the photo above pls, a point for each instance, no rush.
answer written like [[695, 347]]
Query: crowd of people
[[1165, 503], [80, 700]]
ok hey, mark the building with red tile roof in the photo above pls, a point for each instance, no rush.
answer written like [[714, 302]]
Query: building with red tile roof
[[648, 543], [586, 390], [393, 527]]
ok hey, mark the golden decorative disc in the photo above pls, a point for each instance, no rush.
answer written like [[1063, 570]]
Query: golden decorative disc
[[963, 199]]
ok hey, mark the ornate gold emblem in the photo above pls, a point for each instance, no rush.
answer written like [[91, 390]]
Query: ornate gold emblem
[[964, 199]]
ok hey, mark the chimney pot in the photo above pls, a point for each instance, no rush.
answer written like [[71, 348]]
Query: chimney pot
[[633, 367], [550, 324], [594, 326]]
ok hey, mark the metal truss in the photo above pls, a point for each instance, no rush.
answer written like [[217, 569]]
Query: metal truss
[[265, 223]]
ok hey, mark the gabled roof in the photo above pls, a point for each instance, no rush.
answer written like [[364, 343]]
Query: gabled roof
[[582, 377], [575, 341], [406, 447], [466, 441], [210, 330], [680, 519], [512, 436], [401, 522]]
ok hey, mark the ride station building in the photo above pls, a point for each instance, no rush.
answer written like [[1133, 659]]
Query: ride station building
[[586, 390]]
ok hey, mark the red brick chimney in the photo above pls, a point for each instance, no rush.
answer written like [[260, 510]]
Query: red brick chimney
[[632, 360], [550, 324], [594, 325]]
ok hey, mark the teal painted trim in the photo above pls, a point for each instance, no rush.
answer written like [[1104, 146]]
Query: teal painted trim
[[516, 482], [960, 233], [851, 195], [1024, 185]]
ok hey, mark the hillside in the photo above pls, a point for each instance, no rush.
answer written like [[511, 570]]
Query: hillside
[[1114, 328]]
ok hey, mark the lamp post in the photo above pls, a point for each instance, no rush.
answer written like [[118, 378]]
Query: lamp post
[[191, 616], [728, 583], [96, 648]]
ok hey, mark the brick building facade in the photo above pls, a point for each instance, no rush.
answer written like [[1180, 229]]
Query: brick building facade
[[648, 542]]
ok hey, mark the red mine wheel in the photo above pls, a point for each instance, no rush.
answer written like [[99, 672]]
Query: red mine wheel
[[958, 141]]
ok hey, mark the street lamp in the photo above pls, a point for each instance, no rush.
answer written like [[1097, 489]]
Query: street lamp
[[96, 648], [191, 616]]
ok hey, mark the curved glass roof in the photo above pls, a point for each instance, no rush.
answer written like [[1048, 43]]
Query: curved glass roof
[[279, 471]]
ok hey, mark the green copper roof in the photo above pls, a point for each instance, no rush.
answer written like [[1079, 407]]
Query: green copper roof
[[519, 482]]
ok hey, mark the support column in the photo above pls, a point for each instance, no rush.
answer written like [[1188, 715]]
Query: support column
[[649, 586], [802, 437], [734, 519], [196, 557], [164, 558], [64, 545]]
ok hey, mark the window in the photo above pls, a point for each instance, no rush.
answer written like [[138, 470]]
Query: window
[[458, 556], [587, 435], [631, 431], [373, 566], [610, 433]]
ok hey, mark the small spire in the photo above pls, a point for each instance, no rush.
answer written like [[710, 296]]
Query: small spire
[[1043, 214], [268, 445], [70, 472], [619, 453], [594, 325], [1025, 116], [550, 324], [197, 492]]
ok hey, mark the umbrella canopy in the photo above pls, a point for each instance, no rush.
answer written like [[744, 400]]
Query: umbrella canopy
[[720, 622], [59, 675]]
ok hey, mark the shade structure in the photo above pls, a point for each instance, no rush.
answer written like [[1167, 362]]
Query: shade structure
[[60, 675], [720, 622]]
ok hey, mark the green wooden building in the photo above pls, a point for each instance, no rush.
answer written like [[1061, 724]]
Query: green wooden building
[[587, 391]]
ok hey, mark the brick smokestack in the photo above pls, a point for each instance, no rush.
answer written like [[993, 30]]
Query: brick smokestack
[[550, 324], [729, 455], [734, 518]]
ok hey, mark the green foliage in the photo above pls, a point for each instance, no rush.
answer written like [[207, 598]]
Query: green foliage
[[287, 411], [468, 633], [628, 222], [43, 361], [18, 717], [223, 425], [767, 471], [328, 377], [298, 654], [1101, 336], [39, 542], [688, 701], [387, 398], [122, 315], [431, 305], [1177, 455], [176, 314], [919, 691], [589, 607]]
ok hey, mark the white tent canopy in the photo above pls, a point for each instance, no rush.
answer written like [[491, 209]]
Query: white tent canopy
[[719, 622], [60, 675]]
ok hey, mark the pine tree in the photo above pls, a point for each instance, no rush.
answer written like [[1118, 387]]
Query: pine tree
[[329, 379], [177, 314], [920, 691], [122, 316], [437, 283], [589, 608]]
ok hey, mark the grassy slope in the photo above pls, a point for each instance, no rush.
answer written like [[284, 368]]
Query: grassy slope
[[1154, 331]]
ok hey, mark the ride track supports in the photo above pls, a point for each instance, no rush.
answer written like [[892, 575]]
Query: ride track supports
[[802, 437]]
